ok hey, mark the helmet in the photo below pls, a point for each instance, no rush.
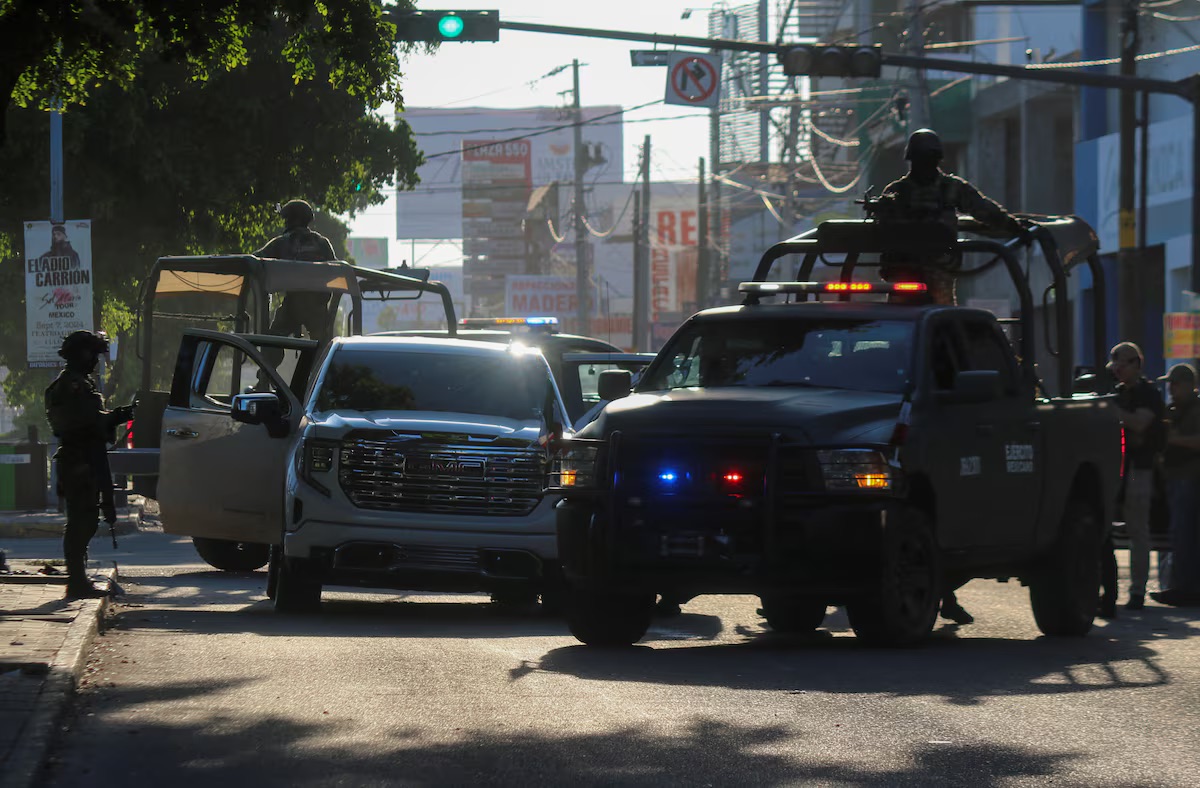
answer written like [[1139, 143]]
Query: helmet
[[83, 342], [921, 143], [296, 213]]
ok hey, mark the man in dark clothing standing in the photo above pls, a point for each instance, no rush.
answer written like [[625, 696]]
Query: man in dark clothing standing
[[75, 410], [928, 195], [1181, 465], [309, 311], [1142, 415]]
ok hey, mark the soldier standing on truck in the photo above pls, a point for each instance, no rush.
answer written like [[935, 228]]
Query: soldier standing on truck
[[929, 195], [1142, 415], [75, 410], [309, 311]]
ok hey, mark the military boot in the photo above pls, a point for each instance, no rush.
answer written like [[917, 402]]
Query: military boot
[[78, 585]]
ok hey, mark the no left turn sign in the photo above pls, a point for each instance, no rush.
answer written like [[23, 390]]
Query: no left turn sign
[[694, 79]]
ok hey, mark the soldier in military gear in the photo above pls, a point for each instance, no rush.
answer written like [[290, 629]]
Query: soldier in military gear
[[928, 195], [300, 310], [75, 409]]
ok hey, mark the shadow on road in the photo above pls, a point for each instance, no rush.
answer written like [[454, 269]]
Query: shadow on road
[[270, 750]]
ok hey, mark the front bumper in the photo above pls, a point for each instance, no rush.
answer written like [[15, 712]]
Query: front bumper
[[824, 548]]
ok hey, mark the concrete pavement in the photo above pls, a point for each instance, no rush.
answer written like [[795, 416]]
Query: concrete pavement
[[44, 637]]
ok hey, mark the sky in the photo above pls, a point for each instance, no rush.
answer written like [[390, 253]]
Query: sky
[[509, 74]]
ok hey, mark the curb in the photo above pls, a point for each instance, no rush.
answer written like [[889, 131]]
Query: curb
[[29, 755], [51, 526]]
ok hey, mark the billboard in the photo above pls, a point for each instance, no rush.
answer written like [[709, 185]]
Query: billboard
[[434, 210], [496, 178], [369, 252], [58, 286]]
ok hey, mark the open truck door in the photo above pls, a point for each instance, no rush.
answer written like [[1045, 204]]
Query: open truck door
[[227, 433], [239, 294]]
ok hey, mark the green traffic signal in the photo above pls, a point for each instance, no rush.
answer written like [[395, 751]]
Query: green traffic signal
[[450, 26], [446, 25]]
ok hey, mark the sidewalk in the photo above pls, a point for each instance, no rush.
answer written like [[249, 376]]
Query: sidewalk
[[44, 641]]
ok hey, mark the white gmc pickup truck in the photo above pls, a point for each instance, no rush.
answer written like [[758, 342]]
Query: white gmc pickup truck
[[410, 463]]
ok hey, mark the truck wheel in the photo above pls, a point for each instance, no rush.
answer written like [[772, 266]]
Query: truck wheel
[[1064, 590], [599, 619], [792, 614], [232, 556], [297, 590], [903, 606]]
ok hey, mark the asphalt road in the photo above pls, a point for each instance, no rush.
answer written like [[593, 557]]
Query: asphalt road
[[198, 682]]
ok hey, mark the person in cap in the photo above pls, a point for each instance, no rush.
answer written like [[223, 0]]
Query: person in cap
[[929, 195], [1142, 415], [299, 310], [1181, 466], [84, 428]]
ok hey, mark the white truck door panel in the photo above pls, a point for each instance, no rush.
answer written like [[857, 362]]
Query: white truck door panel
[[219, 478]]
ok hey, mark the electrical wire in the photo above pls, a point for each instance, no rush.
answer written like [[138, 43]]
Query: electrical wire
[[616, 223], [1170, 18], [1110, 61]]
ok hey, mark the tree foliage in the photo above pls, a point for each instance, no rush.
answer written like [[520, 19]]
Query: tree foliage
[[65, 49], [167, 164]]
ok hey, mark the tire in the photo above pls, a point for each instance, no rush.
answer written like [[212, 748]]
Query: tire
[[796, 615], [297, 590], [1064, 589], [599, 619], [273, 571], [231, 556], [902, 607]]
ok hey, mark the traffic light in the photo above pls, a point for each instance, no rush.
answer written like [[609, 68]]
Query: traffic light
[[831, 60], [438, 26]]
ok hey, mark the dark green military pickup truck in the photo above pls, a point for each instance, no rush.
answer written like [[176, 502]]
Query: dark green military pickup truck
[[865, 453]]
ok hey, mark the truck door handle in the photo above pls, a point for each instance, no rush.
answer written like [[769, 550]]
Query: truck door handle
[[184, 433], [985, 429]]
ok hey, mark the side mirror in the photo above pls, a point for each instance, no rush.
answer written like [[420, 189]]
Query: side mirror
[[614, 384], [981, 385], [261, 408]]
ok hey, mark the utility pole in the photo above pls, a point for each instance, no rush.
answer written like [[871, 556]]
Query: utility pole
[[638, 330], [583, 269], [56, 166], [1129, 309], [642, 277], [702, 265], [918, 91]]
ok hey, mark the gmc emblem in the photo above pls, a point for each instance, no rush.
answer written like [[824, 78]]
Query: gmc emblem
[[445, 466]]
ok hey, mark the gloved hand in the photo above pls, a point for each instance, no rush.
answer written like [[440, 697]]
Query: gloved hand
[[109, 512], [123, 414]]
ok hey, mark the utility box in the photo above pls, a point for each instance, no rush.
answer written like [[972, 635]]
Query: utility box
[[22, 476]]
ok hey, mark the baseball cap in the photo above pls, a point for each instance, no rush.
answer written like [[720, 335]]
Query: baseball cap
[[1181, 373], [1125, 349]]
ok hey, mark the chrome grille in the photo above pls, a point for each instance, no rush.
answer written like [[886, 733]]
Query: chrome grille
[[399, 476]]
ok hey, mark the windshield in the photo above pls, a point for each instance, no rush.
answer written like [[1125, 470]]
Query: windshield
[[863, 355], [504, 385]]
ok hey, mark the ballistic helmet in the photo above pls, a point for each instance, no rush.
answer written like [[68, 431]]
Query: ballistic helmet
[[923, 143], [296, 213], [78, 342]]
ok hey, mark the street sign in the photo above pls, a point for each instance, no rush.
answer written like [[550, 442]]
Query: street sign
[[694, 79], [649, 57]]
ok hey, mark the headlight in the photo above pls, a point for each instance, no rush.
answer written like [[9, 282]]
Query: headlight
[[318, 462], [575, 467], [856, 470]]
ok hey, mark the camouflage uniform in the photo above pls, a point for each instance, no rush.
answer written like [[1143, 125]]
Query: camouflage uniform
[[941, 199], [309, 311], [75, 410]]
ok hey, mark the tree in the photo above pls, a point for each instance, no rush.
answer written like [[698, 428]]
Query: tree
[[170, 165], [63, 50]]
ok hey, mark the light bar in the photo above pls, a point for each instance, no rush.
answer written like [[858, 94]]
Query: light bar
[[816, 288], [478, 322]]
